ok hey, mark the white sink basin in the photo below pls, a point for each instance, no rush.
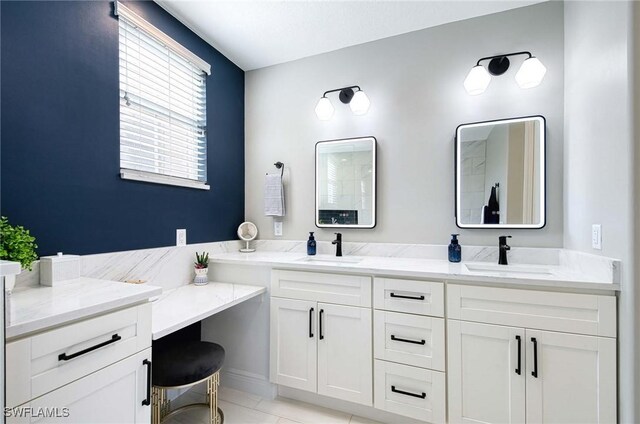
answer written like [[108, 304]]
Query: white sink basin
[[331, 260], [520, 269]]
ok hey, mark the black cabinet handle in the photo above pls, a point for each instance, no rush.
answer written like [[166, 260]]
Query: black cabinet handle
[[147, 401], [402, 392], [398, 339], [535, 357], [320, 324], [311, 323], [519, 369], [401, 296], [65, 357]]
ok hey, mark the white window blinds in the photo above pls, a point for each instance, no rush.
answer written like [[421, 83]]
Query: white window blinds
[[163, 122]]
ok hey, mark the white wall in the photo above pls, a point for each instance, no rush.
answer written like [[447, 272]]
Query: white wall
[[414, 82], [598, 161]]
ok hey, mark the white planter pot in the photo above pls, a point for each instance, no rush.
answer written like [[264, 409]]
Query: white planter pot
[[201, 276]]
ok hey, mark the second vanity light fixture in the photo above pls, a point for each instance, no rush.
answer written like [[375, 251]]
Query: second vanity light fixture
[[529, 75], [357, 101]]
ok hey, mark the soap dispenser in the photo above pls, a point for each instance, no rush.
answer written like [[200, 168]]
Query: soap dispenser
[[311, 244], [455, 250]]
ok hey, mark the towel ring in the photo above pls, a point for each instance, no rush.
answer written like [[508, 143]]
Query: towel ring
[[279, 165]]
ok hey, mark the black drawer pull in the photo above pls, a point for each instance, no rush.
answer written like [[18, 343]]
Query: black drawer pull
[[320, 324], [406, 297], [519, 369], [535, 357], [402, 392], [398, 339], [65, 357], [147, 401], [311, 323]]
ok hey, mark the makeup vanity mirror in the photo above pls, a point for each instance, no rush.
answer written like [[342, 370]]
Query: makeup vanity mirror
[[346, 183], [500, 174]]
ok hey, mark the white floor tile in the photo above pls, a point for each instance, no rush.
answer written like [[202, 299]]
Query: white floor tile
[[302, 412], [286, 421], [236, 414], [247, 400], [362, 420]]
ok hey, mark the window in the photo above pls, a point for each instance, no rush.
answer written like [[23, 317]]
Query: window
[[163, 122]]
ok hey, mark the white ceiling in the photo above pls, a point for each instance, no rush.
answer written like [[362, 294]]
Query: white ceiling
[[259, 33]]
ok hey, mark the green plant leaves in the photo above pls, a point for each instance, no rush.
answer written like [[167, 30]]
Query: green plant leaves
[[16, 244]]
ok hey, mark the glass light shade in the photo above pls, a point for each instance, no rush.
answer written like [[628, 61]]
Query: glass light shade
[[359, 103], [477, 80], [530, 73], [324, 109]]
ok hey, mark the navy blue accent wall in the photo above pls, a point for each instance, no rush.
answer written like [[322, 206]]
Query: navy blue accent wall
[[60, 135]]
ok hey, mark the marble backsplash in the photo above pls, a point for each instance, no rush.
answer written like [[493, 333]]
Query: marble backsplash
[[172, 266]]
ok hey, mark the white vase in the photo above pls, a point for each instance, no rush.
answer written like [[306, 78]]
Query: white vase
[[201, 276]]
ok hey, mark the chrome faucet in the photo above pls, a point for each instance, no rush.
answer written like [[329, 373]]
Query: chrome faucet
[[338, 243], [503, 247]]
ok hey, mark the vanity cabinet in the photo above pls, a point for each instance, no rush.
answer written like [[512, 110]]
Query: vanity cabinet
[[322, 346], [499, 372], [99, 368]]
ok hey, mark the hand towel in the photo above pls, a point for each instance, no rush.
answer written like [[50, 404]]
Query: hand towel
[[273, 195]]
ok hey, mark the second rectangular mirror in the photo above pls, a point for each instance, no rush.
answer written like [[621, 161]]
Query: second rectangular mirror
[[500, 174], [346, 183]]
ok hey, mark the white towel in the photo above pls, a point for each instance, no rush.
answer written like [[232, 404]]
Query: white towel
[[273, 195]]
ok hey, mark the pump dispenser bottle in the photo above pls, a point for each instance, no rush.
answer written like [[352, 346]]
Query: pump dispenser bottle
[[311, 244], [455, 250]]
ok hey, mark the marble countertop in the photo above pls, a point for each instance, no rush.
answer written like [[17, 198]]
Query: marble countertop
[[185, 305], [33, 309], [520, 275]]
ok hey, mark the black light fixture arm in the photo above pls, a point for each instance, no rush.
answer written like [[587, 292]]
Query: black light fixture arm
[[346, 93], [351, 87], [499, 64], [500, 56]]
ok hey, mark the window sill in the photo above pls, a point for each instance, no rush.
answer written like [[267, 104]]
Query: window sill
[[148, 177]]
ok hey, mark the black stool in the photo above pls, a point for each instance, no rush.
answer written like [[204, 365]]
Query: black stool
[[185, 365]]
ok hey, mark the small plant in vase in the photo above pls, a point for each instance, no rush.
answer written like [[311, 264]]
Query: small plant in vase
[[202, 269]]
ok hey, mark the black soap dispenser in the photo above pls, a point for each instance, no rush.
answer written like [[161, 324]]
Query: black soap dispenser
[[311, 244], [455, 250]]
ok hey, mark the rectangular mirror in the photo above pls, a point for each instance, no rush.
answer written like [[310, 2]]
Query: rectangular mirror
[[346, 183], [500, 174]]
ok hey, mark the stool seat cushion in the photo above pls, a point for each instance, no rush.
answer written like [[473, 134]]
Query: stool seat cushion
[[185, 363]]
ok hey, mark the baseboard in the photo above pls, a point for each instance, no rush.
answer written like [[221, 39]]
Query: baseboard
[[344, 406], [248, 382]]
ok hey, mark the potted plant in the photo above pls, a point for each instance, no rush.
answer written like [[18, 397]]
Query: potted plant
[[202, 269], [16, 245]]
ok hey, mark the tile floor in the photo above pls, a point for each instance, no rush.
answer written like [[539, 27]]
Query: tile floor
[[244, 408]]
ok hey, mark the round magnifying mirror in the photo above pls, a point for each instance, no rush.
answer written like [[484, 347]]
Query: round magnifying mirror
[[247, 231]]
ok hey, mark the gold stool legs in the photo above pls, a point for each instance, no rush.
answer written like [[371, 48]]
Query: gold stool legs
[[161, 406]]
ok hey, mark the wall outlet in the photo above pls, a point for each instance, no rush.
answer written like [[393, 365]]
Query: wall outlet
[[596, 236], [181, 237], [277, 228]]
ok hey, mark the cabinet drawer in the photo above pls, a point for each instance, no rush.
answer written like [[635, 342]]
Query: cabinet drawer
[[411, 296], [409, 339], [114, 394], [353, 290], [46, 361], [409, 391], [567, 312]]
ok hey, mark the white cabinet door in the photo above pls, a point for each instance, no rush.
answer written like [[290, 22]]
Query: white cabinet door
[[293, 343], [114, 394], [345, 363], [484, 384], [570, 378]]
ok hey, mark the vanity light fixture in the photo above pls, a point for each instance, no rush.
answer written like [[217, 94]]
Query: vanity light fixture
[[529, 75], [357, 101]]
